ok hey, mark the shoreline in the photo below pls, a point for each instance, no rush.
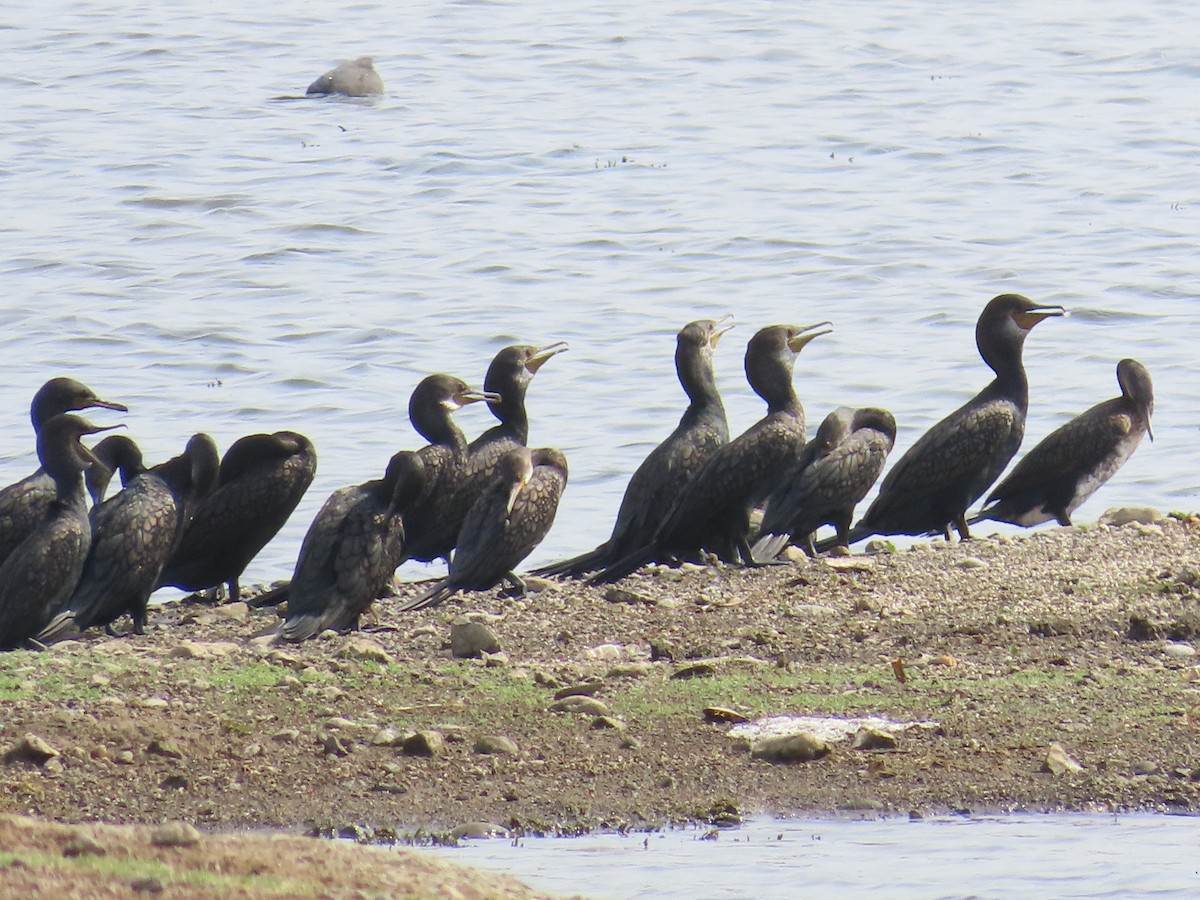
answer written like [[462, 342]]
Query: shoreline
[[1080, 637]]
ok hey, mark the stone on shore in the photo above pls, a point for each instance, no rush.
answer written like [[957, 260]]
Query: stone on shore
[[790, 748]]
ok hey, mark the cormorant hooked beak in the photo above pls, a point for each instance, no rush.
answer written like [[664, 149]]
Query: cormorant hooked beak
[[462, 398], [798, 341], [1027, 318], [720, 326], [109, 404], [539, 357]]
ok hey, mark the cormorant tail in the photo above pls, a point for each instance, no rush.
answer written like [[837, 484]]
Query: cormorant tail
[[855, 534], [274, 597], [627, 565], [432, 597], [769, 546], [576, 566], [62, 627], [300, 628]]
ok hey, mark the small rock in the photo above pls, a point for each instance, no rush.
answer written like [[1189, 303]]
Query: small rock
[[174, 834], [495, 745], [424, 743], [799, 747], [385, 737], [873, 739], [337, 723], [1058, 762], [1178, 650], [148, 885], [577, 704], [1125, 515], [364, 649], [586, 689], [234, 612], [31, 749], [1145, 767], [616, 594], [99, 680], [971, 562], [82, 845], [154, 703], [332, 745], [286, 736], [879, 546], [605, 652], [249, 751], [607, 723], [719, 714], [495, 660], [470, 639], [175, 783], [165, 747], [662, 649]]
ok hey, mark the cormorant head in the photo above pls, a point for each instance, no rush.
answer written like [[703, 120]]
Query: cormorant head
[[405, 476], [877, 420], [60, 395], [1137, 388], [59, 449], [515, 469], [1004, 324], [771, 355]]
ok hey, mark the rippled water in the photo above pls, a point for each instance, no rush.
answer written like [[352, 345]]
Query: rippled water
[[1014, 856], [600, 173]]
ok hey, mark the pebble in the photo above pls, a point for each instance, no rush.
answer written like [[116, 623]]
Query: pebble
[[468, 640], [175, 834], [82, 845], [332, 745], [699, 670], [1125, 515], [971, 562], [33, 749], [147, 885], [1059, 762], [368, 650], [165, 747], [607, 723], [630, 670], [495, 744], [424, 743], [789, 748], [1178, 650], [577, 704], [616, 594], [154, 703], [495, 660], [234, 612], [605, 652], [478, 830], [585, 689], [873, 739], [124, 758], [721, 715], [286, 736], [385, 737]]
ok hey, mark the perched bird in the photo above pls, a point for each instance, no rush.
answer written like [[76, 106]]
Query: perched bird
[[351, 550], [133, 533], [712, 512], [428, 527], [41, 572], [952, 464], [261, 480], [353, 79], [504, 526], [1070, 464], [117, 453], [658, 480], [24, 504], [833, 474], [508, 377]]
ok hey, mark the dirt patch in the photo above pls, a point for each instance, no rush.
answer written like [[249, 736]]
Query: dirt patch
[[43, 859], [1079, 637]]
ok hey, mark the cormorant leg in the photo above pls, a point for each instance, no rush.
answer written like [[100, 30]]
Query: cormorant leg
[[139, 620], [810, 549], [110, 631], [1062, 517], [960, 525], [235, 590], [518, 584]]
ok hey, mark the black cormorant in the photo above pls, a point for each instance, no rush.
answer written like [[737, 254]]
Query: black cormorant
[[504, 525], [357, 78], [116, 453], [133, 533], [42, 570], [262, 478], [23, 504], [712, 512], [1071, 463], [351, 550], [952, 464], [428, 535], [833, 474], [658, 480]]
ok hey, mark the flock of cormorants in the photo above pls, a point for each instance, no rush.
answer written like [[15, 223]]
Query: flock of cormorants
[[195, 521]]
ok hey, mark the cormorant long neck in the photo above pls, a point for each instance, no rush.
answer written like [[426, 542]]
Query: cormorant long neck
[[434, 421], [514, 421], [1001, 346], [771, 378], [693, 364]]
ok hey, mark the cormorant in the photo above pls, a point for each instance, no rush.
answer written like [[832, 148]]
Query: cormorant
[[24, 504], [351, 550], [712, 512], [1071, 463], [261, 480], [42, 570], [658, 480], [504, 526], [427, 532], [508, 377], [953, 463], [133, 533], [833, 474], [353, 79], [116, 453]]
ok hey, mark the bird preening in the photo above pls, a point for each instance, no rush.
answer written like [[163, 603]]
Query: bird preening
[[197, 520]]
